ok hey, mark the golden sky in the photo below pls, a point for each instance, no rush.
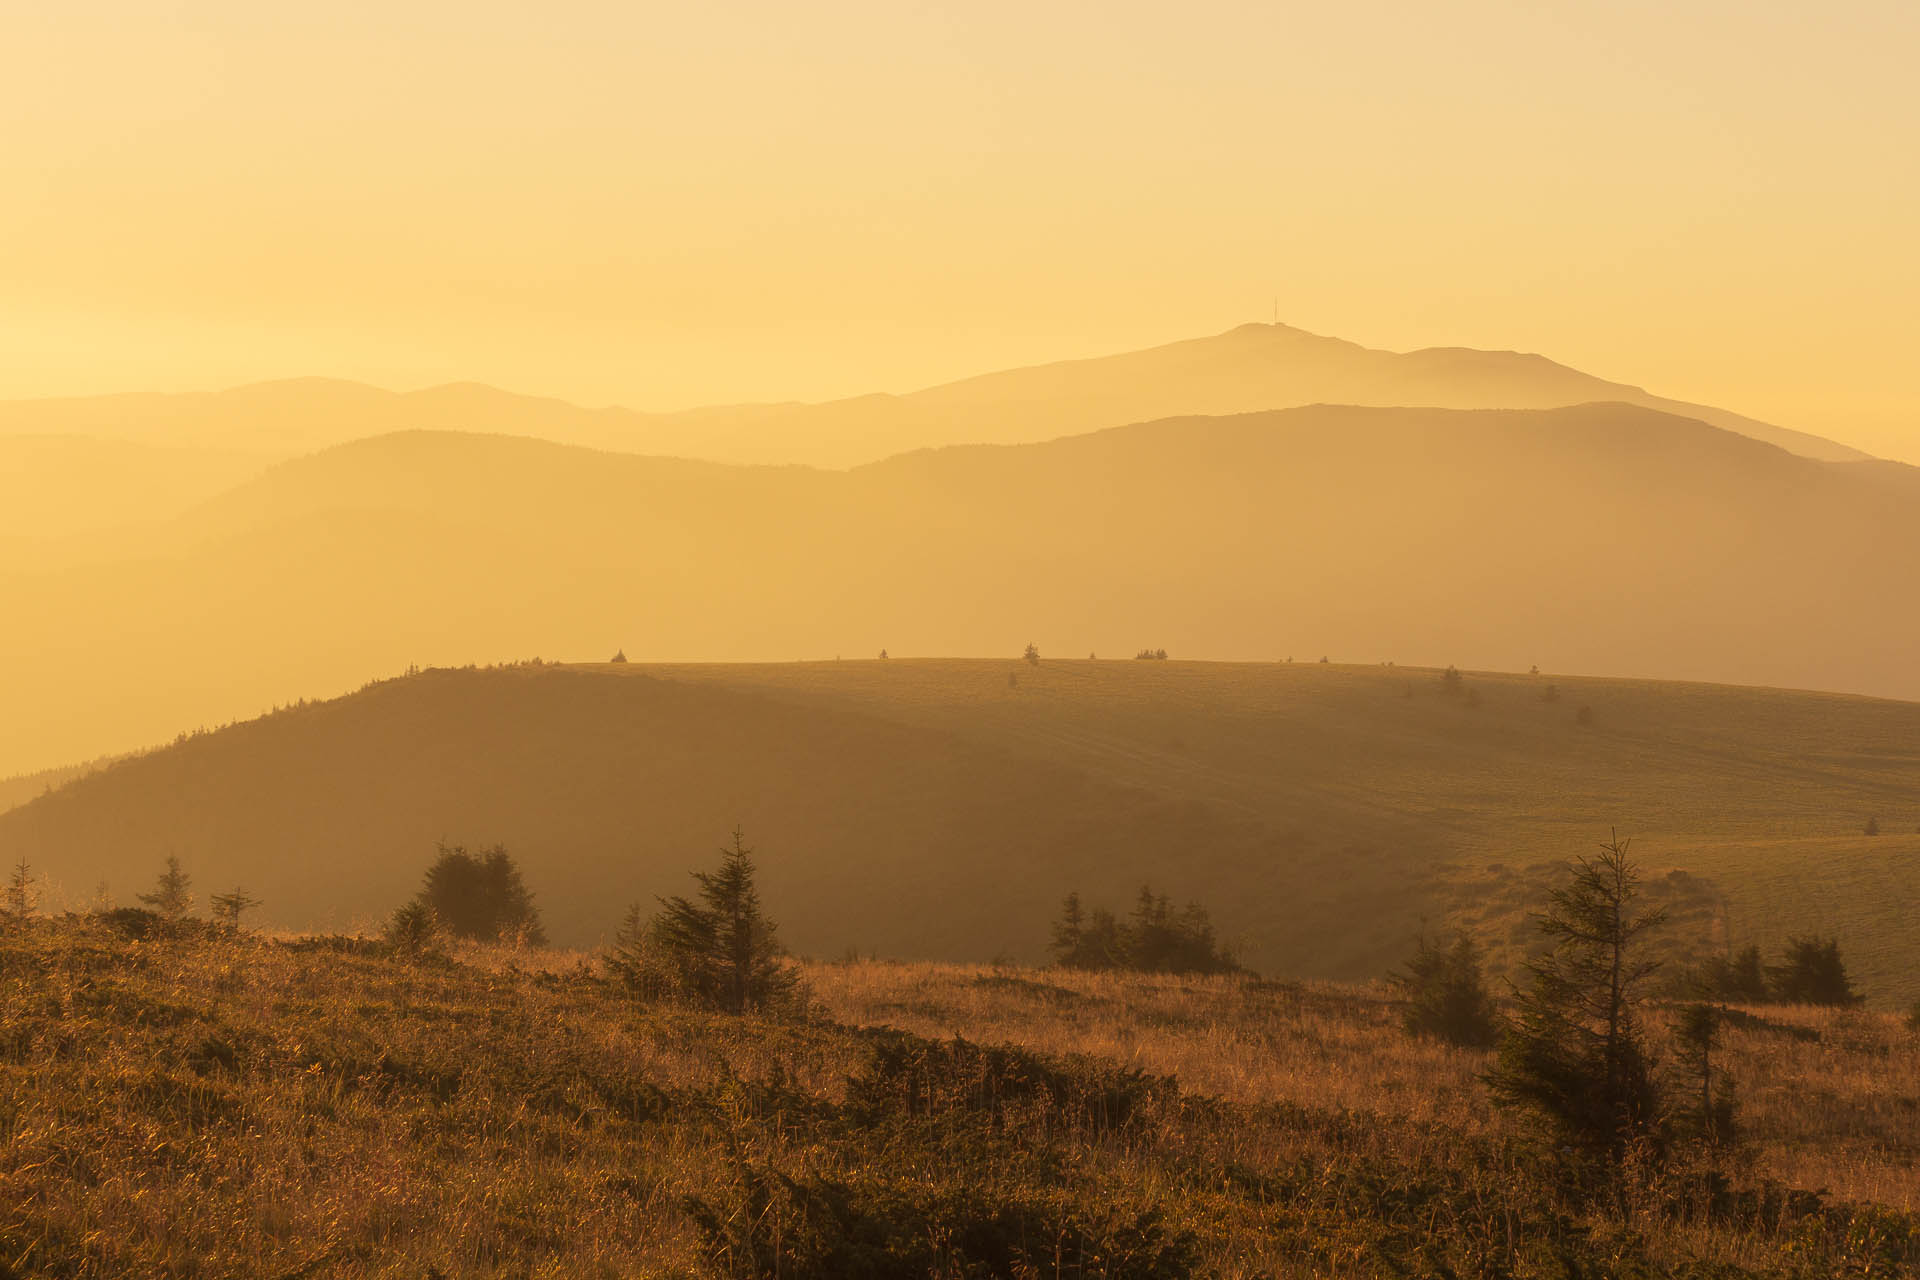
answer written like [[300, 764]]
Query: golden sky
[[664, 205]]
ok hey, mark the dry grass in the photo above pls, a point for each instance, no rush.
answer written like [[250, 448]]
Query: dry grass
[[201, 1106], [1838, 1110]]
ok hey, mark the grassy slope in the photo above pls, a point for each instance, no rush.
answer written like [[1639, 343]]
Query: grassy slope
[[1603, 538], [201, 1106], [934, 809]]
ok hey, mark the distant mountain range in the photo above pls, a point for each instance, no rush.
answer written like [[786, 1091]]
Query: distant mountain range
[[1604, 539], [1253, 367]]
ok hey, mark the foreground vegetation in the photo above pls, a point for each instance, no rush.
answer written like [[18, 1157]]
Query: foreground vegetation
[[192, 1101]]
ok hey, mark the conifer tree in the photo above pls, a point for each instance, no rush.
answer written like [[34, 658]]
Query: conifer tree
[[170, 897], [1575, 1054], [1710, 1112], [1446, 994], [481, 896], [723, 949], [227, 907], [1812, 972], [20, 899]]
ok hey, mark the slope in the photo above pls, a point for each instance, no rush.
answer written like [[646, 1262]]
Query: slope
[[1606, 539], [939, 809]]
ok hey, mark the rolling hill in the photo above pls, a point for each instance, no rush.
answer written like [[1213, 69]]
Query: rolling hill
[[940, 809], [1251, 368], [1607, 539]]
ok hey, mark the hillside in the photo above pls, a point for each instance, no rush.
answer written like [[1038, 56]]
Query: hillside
[[202, 1105], [1604, 539], [939, 810], [56, 489], [1251, 368]]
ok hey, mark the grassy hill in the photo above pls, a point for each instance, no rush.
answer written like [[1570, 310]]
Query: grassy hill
[[205, 1105], [1607, 539], [940, 809]]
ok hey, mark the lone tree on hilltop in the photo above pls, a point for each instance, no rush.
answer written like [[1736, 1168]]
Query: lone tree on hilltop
[[722, 951], [481, 896], [619, 655], [170, 898], [1575, 1054], [1812, 972], [1032, 654], [227, 907], [1446, 994]]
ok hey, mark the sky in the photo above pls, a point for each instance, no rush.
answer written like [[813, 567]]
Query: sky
[[668, 205]]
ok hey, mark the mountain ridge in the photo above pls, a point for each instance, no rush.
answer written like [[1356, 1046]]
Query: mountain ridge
[[1248, 368]]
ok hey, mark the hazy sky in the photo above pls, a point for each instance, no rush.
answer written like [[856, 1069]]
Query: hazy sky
[[664, 205]]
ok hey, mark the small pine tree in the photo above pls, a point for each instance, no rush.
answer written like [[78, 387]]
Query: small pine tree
[[1446, 994], [412, 929], [638, 961], [170, 898], [1575, 1055], [20, 897], [227, 907], [1032, 655], [619, 655], [723, 950], [1711, 1113], [1812, 972]]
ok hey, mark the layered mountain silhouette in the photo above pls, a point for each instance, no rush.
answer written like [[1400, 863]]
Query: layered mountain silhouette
[[1607, 539], [1253, 367]]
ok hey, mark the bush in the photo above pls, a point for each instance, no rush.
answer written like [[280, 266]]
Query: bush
[[412, 930], [1152, 655], [1446, 995]]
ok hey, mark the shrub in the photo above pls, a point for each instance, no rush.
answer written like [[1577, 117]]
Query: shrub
[[412, 929], [1446, 994], [1152, 655]]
